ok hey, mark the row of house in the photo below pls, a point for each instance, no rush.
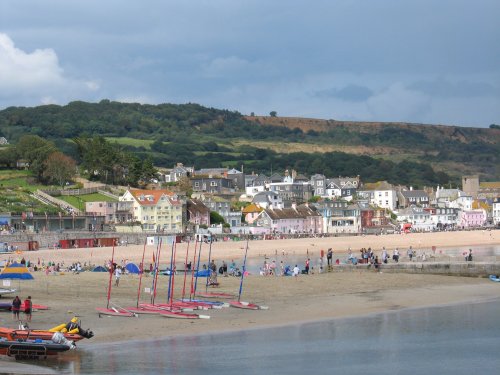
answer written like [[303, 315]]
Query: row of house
[[282, 203]]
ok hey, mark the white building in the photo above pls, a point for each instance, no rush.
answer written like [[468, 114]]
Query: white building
[[445, 218], [419, 218], [453, 198], [496, 211], [380, 194]]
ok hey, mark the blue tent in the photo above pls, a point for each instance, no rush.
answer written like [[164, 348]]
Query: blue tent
[[202, 273], [132, 268], [99, 269]]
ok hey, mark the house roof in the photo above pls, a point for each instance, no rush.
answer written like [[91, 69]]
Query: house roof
[[301, 177], [301, 212], [196, 205], [414, 193], [380, 185], [480, 204], [251, 208], [412, 210], [152, 197], [450, 193], [276, 177], [260, 180]]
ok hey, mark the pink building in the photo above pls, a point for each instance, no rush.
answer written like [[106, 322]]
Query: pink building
[[114, 212], [251, 212], [301, 219], [472, 219]]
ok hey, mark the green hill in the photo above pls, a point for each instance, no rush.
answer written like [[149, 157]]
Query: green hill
[[203, 137]]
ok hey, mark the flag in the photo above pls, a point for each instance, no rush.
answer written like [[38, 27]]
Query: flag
[[23, 215], [60, 215], [46, 216]]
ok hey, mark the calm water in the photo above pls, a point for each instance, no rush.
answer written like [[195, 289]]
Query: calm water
[[461, 339]]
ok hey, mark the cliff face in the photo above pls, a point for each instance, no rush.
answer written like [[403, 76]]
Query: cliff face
[[436, 133], [452, 149]]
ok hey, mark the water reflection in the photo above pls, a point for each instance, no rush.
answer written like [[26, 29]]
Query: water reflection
[[446, 340]]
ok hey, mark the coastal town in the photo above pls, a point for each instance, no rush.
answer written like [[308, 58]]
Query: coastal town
[[261, 187], [228, 202]]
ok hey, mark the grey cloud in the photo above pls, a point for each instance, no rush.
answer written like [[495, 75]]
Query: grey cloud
[[461, 89], [350, 93]]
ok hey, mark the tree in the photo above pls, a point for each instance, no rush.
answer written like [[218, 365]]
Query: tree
[[34, 150], [184, 185], [273, 113], [216, 218], [149, 172], [59, 168]]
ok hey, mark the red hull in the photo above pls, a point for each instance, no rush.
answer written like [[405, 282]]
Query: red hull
[[244, 305], [115, 312]]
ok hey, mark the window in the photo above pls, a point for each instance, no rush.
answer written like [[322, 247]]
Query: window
[[213, 183]]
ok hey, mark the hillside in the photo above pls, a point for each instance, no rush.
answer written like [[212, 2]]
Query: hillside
[[208, 137], [458, 150]]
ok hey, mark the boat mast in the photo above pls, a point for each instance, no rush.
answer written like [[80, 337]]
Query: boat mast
[[209, 269], [111, 271], [244, 269], [142, 272], [185, 269]]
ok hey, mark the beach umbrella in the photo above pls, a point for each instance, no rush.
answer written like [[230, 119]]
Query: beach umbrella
[[16, 271], [132, 268]]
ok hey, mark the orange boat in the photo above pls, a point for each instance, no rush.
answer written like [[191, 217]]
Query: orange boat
[[71, 331]]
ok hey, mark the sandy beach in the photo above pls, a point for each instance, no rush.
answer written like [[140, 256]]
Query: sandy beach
[[290, 300]]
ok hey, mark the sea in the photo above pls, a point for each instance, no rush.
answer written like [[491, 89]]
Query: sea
[[453, 339]]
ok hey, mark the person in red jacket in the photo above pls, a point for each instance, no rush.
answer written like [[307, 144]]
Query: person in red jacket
[[28, 308]]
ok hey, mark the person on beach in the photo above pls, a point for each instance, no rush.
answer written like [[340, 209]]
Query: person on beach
[[296, 271], [28, 308], [395, 255], [16, 307], [468, 258], [306, 269], [410, 253], [118, 274], [384, 255], [272, 268], [329, 256]]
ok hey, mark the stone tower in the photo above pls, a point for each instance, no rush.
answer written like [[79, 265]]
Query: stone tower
[[470, 185]]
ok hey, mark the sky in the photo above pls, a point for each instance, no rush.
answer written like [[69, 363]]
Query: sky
[[420, 61]]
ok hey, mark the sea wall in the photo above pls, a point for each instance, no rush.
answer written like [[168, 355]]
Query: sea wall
[[457, 268]]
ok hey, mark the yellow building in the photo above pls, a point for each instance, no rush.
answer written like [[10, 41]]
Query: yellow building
[[156, 210]]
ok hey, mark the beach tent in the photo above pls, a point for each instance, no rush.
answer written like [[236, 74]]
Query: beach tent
[[202, 273], [132, 268], [99, 269], [16, 271]]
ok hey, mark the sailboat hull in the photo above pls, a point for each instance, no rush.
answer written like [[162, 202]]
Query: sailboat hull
[[115, 312], [244, 305]]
